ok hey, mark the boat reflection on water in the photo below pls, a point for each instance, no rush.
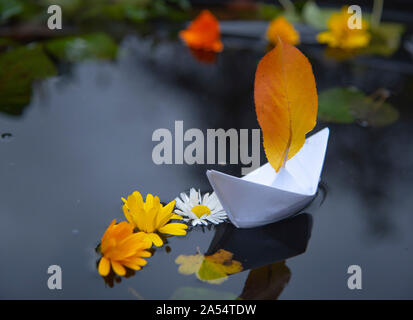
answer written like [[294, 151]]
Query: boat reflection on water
[[264, 251], [260, 246]]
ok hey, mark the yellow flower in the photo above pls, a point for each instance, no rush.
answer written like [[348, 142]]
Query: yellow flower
[[341, 36], [280, 27], [121, 247], [152, 217]]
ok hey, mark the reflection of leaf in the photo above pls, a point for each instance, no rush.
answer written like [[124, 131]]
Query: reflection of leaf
[[285, 101], [385, 39], [266, 283], [190, 293], [346, 105], [9, 9], [316, 17], [77, 48], [213, 269], [18, 70], [207, 57]]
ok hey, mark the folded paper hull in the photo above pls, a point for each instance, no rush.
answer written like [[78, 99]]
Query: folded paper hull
[[265, 196]]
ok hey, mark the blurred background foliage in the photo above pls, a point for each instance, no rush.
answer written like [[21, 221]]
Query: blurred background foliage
[[92, 29]]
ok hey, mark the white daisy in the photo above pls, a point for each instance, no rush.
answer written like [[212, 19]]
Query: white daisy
[[200, 210]]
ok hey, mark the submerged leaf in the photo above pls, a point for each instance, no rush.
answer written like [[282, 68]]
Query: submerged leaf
[[215, 268], [19, 68], [212, 269], [347, 105], [334, 104], [78, 48], [286, 102]]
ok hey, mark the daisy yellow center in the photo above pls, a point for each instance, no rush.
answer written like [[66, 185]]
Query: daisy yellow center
[[201, 210]]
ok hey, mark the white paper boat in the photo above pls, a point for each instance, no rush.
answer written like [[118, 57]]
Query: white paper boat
[[265, 196]]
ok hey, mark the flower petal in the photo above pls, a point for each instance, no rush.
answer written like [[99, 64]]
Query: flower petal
[[177, 229], [118, 268], [156, 239], [104, 267]]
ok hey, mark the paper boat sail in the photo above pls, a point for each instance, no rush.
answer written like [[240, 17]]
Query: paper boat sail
[[264, 195]]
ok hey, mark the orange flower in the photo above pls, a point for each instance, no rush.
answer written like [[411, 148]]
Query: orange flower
[[203, 33], [280, 27], [121, 247]]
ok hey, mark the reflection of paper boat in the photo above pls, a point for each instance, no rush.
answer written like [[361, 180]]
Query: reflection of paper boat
[[264, 196], [264, 245]]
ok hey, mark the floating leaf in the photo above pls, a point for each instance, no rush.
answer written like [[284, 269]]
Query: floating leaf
[[217, 267], [347, 105], [203, 33], [212, 269], [374, 112], [78, 48], [190, 293], [286, 102], [189, 264], [19, 68], [334, 104]]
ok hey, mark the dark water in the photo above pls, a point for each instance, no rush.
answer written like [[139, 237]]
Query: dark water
[[85, 141]]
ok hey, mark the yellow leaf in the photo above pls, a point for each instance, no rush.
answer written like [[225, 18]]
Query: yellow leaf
[[218, 266], [212, 269], [189, 264], [285, 101]]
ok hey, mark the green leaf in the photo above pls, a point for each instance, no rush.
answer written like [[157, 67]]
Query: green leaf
[[78, 48], [385, 39], [268, 11], [19, 68], [9, 9], [334, 105], [347, 105], [374, 113], [316, 17], [191, 293]]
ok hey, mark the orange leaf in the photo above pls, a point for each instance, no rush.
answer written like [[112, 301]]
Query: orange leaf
[[203, 33], [285, 101]]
